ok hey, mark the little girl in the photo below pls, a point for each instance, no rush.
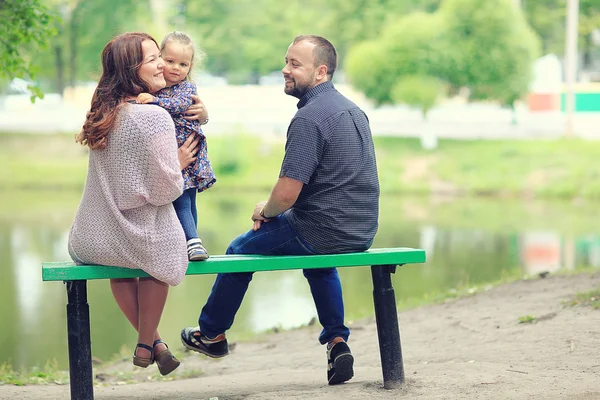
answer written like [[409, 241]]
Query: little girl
[[177, 50]]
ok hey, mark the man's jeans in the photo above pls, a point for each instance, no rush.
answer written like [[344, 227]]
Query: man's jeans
[[274, 238]]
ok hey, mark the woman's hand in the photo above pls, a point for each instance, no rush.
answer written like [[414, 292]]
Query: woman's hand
[[188, 151], [197, 111]]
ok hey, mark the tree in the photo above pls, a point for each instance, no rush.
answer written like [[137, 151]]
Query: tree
[[85, 27], [369, 72], [244, 39], [411, 45], [485, 47], [26, 28], [418, 91], [547, 18], [491, 49]]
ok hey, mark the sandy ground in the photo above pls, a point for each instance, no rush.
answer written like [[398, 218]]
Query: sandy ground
[[471, 348]]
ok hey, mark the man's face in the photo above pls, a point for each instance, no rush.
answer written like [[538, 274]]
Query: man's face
[[299, 70]]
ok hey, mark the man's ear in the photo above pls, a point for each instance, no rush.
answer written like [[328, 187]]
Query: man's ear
[[322, 72]]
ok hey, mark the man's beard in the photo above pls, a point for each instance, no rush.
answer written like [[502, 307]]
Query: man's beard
[[299, 90]]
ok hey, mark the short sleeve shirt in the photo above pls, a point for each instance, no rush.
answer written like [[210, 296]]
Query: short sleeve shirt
[[330, 149]]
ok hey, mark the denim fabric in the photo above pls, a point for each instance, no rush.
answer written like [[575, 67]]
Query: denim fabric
[[185, 207], [276, 237]]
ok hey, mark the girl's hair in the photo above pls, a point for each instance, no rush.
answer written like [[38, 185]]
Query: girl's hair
[[122, 58], [183, 39]]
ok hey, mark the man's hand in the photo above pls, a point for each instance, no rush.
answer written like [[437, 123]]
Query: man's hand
[[283, 197], [144, 98], [197, 111], [256, 217]]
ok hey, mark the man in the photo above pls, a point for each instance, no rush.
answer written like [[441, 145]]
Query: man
[[326, 200]]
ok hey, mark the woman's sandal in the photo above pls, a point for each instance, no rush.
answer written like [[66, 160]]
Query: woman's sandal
[[165, 360], [143, 361]]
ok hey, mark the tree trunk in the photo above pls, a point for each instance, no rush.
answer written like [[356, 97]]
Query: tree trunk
[[429, 140], [60, 69], [73, 33], [586, 64]]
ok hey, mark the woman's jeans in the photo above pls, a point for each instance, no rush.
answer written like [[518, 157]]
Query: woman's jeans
[[274, 238], [185, 207]]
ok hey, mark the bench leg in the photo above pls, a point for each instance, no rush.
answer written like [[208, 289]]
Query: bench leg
[[387, 326], [80, 347]]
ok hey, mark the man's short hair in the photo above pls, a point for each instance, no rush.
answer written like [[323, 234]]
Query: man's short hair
[[324, 52]]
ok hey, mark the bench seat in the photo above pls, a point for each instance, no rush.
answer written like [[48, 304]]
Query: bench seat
[[383, 263]]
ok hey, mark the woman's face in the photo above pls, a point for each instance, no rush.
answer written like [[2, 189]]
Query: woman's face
[[152, 67]]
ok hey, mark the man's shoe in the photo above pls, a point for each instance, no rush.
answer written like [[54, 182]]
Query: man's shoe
[[194, 340], [340, 363]]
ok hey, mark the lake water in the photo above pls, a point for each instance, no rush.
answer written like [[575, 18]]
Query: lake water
[[469, 243]]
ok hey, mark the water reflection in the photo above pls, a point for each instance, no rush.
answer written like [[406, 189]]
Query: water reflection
[[468, 242]]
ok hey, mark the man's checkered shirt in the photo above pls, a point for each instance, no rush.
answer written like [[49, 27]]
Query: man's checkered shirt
[[330, 149]]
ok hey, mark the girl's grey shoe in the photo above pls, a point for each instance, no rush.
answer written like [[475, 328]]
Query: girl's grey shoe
[[196, 252]]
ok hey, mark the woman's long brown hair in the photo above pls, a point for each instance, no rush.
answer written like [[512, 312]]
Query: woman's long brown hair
[[122, 58]]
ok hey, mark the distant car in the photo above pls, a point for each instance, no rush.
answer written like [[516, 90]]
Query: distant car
[[19, 86]]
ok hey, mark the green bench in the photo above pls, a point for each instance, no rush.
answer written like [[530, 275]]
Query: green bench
[[383, 263]]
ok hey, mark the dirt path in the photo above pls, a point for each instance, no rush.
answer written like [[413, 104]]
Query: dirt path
[[471, 348]]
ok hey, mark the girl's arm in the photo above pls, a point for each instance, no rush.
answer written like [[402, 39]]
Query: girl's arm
[[180, 99]]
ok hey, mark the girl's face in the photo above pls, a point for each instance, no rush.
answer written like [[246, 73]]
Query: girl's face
[[178, 61], [152, 67]]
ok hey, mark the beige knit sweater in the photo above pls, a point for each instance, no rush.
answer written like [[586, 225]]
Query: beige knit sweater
[[125, 217]]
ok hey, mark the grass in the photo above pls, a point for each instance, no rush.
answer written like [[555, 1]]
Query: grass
[[516, 168], [118, 370], [48, 374], [589, 299], [527, 319]]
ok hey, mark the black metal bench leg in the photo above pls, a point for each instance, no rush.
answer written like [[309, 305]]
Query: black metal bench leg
[[80, 346], [387, 326]]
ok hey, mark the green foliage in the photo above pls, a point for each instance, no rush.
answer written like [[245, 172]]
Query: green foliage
[[49, 373], [84, 28], [92, 24], [367, 69], [414, 44], [408, 46], [491, 49], [547, 18], [244, 39], [527, 319], [486, 47], [590, 299], [418, 91], [241, 42], [511, 169], [26, 29]]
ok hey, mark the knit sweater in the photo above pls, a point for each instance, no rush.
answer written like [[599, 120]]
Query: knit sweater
[[125, 217]]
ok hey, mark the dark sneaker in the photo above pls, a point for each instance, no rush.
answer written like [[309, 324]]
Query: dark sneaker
[[339, 363], [196, 251], [194, 340]]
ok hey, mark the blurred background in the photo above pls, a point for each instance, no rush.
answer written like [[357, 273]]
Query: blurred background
[[485, 114]]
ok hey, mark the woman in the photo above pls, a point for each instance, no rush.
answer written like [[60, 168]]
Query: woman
[[126, 217]]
